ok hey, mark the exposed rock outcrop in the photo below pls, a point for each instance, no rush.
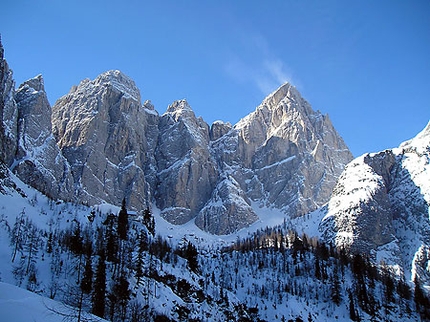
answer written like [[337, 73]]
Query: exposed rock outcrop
[[8, 112], [187, 171], [38, 160], [284, 154], [100, 128], [229, 209]]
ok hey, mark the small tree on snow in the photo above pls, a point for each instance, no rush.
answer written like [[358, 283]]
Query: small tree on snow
[[123, 222], [191, 255], [99, 294], [18, 236]]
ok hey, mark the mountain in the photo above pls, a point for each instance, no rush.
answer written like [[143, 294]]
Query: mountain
[[187, 171], [359, 251], [284, 154], [381, 204], [118, 149], [100, 144]]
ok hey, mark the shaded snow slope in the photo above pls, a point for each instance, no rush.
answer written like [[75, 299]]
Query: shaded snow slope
[[19, 305]]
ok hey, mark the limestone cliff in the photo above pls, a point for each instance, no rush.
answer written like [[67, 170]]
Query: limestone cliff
[[8, 112], [101, 144], [38, 160], [101, 128]]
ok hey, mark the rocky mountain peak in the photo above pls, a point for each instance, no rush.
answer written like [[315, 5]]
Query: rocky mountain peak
[[284, 113], [101, 127], [1, 50], [34, 110], [38, 160], [284, 139], [218, 129], [182, 115], [36, 83], [180, 109], [179, 105], [148, 105], [285, 90], [112, 79]]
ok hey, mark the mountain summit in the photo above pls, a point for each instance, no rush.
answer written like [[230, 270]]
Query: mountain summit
[[282, 155]]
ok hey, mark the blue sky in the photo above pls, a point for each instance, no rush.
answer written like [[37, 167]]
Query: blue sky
[[365, 63]]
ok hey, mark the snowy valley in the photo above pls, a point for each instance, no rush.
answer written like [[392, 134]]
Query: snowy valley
[[109, 210], [184, 274]]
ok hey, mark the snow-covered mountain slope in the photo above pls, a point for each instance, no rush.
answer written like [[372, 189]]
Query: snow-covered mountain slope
[[381, 206]]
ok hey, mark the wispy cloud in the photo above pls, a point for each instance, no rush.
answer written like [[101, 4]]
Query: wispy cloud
[[273, 74], [261, 68]]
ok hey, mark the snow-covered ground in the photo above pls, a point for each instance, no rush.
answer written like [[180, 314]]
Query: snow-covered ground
[[268, 217], [19, 305]]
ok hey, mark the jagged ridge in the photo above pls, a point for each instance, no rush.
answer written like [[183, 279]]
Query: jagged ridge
[[105, 146]]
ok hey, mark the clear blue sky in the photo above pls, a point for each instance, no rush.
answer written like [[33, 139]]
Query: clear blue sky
[[365, 63]]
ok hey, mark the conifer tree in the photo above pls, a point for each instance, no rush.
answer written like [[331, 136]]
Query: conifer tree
[[123, 222], [99, 293], [111, 241], [31, 247], [76, 240], [421, 301], [143, 246], [119, 296], [49, 243], [86, 283], [335, 287], [18, 235], [191, 255], [352, 311]]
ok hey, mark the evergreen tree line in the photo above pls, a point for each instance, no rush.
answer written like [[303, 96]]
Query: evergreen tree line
[[288, 255], [109, 269], [115, 268]]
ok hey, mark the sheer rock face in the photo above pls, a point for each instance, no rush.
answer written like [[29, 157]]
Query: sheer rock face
[[187, 171], [284, 154], [8, 112], [38, 160], [381, 206], [100, 127], [229, 209], [219, 129]]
